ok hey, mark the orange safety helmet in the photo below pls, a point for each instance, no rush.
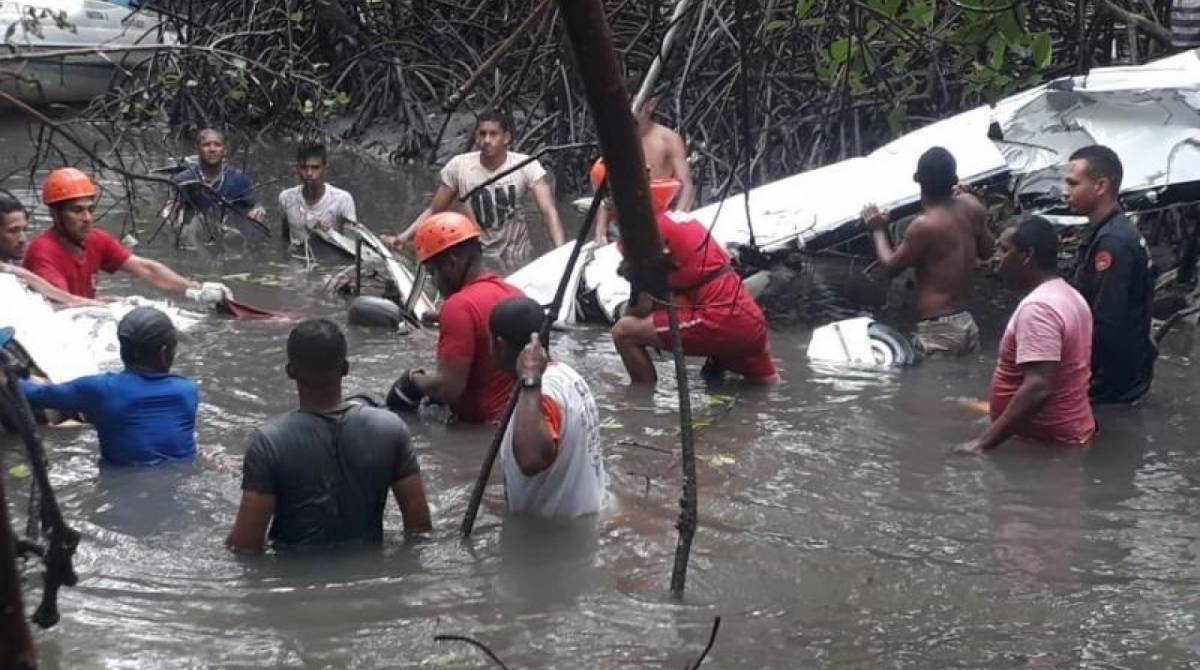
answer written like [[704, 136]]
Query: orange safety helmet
[[598, 173], [441, 231], [663, 192], [67, 184]]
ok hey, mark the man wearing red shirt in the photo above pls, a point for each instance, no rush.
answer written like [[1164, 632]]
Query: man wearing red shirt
[[1040, 386], [718, 318], [467, 377], [69, 253]]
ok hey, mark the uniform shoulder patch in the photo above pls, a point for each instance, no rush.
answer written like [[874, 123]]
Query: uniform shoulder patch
[[1103, 260]]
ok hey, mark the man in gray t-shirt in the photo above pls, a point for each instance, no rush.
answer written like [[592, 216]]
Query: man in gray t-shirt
[[320, 475]]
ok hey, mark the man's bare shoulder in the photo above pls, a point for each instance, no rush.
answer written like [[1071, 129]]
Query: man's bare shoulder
[[947, 214], [662, 135], [970, 204]]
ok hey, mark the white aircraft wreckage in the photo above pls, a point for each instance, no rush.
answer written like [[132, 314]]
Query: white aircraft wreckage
[[1149, 114], [65, 344]]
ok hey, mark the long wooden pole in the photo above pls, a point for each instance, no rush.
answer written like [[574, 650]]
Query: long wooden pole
[[591, 42], [596, 61]]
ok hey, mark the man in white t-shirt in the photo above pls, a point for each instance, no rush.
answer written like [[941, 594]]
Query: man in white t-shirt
[[550, 454], [497, 207], [313, 203]]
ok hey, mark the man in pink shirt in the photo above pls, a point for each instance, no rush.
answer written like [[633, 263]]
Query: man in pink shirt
[[1040, 386]]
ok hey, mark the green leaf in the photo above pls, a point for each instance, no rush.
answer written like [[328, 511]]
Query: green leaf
[[921, 13], [839, 51], [996, 48], [1043, 50], [296, 16], [803, 7], [1009, 27], [20, 471]]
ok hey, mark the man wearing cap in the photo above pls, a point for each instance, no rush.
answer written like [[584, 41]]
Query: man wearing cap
[[550, 454], [144, 414], [14, 221], [73, 249], [718, 318], [467, 377], [943, 246]]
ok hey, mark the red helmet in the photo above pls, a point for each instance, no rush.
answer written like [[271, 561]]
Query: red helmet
[[67, 184], [441, 231]]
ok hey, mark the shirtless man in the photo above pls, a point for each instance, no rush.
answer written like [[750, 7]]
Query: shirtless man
[[942, 245], [666, 158]]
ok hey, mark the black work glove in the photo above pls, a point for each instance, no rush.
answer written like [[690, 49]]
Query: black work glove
[[405, 395]]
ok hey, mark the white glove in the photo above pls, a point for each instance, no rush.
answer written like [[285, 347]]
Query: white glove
[[209, 293]]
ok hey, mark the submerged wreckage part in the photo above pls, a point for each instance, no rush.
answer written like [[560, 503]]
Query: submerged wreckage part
[[861, 341], [375, 312], [409, 286]]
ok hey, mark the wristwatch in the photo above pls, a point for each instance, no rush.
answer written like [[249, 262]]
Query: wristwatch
[[531, 383]]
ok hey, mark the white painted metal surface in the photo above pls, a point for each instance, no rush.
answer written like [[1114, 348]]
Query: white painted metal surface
[[34, 26], [1150, 115], [70, 343]]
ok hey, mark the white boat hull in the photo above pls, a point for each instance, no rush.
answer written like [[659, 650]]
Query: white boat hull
[[85, 24]]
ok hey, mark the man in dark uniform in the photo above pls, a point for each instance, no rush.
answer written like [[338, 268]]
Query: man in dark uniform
[[1114, 273]]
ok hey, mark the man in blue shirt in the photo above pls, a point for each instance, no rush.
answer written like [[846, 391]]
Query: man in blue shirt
[[143, 415], [213, 184]]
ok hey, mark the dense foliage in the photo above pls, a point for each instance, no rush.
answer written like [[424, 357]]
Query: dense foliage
[[824, 79]]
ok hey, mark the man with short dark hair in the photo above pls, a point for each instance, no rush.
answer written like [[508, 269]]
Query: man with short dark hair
[[495, 208], [14, 222], [942, 245], [144, 415], [1039, 388], [467, 378], [71, 252], [314, 203], [550, 453], [320, 474], [213, 183], [1114, 273]]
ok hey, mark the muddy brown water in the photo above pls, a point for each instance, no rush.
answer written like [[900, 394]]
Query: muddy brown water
[[836, 530]]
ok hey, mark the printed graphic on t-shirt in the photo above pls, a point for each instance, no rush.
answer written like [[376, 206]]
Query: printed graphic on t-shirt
[[495, 205]]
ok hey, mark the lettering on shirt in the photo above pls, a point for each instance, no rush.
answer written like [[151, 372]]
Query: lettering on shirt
[[494, 206]]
